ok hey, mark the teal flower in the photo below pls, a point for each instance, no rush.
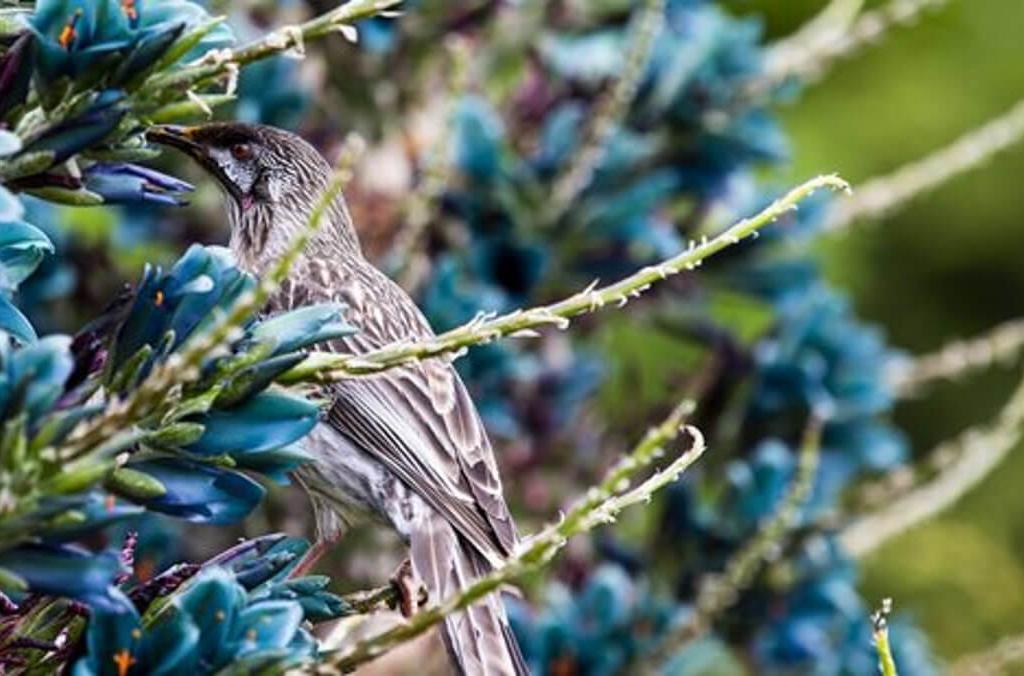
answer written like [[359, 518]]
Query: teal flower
[[22, 248], [32, 377], [199, 493], [209, 624], [69, 137], [67, 571], [121, 183], [73, 35], [125, 37]]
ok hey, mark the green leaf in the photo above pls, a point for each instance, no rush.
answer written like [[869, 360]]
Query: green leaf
[[27, 164], [15, 323], [11, 581], [187, 42], [189, 109], [77, 477], [77, 198], [135, 485], [176, 435]]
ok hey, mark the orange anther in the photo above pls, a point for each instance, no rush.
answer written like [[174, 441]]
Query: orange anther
[[130, 10], [68, 33], [123, 660]]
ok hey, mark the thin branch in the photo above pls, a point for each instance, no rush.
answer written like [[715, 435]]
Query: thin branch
[[881, 195], [880, 634], [609, 112], [419, 209], [324, 367], [993, 660], [720, 592], [819, 33], [977, 451], [287, 38], [809, 61], [184, 367], [999, 345], [372, 600], [600, 505]]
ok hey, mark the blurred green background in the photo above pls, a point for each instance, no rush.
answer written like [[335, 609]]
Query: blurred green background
[[961, 575]]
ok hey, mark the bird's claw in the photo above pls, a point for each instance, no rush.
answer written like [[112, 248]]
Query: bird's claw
[[412, 593]]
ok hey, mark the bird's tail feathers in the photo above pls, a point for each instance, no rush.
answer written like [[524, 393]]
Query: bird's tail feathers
[[479, 639]]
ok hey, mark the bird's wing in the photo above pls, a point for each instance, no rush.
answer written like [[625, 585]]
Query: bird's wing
[[417, 420]]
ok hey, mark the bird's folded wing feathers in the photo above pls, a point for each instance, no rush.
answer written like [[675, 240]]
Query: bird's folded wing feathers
[[417, 420]]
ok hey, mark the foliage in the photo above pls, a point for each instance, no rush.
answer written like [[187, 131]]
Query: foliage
[[567, 163]]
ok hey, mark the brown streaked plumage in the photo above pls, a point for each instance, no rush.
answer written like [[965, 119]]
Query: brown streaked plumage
[[405, 447]]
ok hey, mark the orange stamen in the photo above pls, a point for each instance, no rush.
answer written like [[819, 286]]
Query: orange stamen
[[130, 10], [109, 502], [68, 33], [124, 661], [159, 300]]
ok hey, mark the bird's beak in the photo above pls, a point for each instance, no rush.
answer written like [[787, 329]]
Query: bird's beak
[[184, 139]]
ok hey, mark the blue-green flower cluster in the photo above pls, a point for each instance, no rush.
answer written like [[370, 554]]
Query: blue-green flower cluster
[[601, 629], [242, 610], [193, 462], [22, 248], [83, 64], [821, 625], [126, 38]]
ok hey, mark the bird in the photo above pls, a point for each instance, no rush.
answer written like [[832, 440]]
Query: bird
[[405, 447]]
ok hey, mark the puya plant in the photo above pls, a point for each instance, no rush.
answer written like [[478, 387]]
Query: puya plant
[[162, 405], [623, 148], [168, 403]]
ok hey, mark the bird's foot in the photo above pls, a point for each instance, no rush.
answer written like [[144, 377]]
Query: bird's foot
[[412, 593]]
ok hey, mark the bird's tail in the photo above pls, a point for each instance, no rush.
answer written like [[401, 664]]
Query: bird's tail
[[479, 639]]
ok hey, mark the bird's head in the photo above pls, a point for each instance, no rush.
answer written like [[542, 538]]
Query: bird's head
[[273, 179], [253, 163]]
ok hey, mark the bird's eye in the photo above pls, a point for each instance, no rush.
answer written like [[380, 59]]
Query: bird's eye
[[241, 151]]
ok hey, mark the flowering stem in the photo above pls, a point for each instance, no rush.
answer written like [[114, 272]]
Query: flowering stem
[[976, 451], [879, 196], [324, 367], [223, 62], [419, 211], [599, 505], [720, 592], [995, 659], [810, 60], [880, 633], [609, 111], [819, 33], [1000, 344]]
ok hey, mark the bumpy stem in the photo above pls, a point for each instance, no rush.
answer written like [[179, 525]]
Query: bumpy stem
[[977, 452], [719, 593], [999, 345], [880, 196], [600, 505], [288, 38], [1009, 651], [810, 60], [609, 111], [323, 367], [420, 207]]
